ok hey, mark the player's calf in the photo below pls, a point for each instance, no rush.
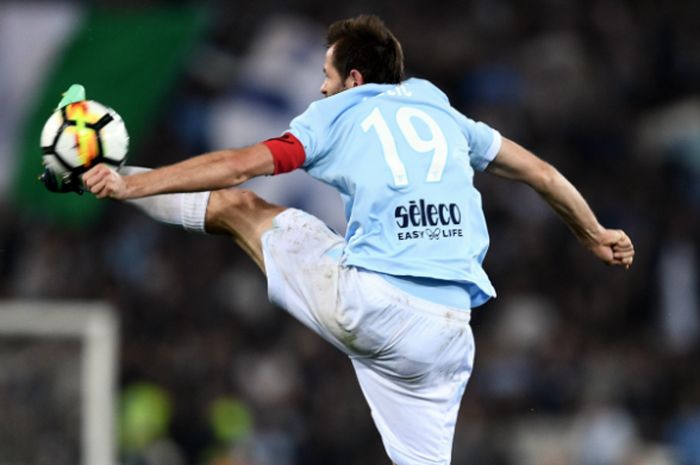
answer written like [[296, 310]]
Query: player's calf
[[242, 215]]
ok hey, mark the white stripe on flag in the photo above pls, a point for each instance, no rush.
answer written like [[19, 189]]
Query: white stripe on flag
[[32, 35]]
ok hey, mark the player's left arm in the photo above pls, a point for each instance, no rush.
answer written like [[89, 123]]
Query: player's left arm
[[612, 246], [210, 171]]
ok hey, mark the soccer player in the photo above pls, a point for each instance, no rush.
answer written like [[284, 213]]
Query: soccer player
[[395, 293]]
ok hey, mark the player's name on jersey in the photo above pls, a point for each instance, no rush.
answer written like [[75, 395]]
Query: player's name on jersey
[[401, 90]]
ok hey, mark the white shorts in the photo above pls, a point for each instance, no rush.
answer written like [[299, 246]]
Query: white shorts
[[412, 357]]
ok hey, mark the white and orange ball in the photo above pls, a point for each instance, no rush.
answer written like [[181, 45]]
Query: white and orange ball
[[82, 134]]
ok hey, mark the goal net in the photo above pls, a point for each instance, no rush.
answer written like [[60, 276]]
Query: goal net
[[57, 383]]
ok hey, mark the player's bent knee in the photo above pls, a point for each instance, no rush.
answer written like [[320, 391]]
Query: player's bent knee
[[231, 210], [224, 209], [233, 198]]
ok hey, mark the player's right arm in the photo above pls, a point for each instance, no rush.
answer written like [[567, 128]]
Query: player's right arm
[[612, 246], [210, 171]]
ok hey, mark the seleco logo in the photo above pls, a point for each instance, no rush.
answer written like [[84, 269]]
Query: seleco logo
[[426, 216]]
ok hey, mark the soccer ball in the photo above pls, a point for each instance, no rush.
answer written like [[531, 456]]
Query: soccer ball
[[80, 135]]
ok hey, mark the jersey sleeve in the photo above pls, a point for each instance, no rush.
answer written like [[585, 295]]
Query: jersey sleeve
[[484, 141], [309, 130]]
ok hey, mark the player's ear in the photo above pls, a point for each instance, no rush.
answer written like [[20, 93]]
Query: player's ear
[[354, 79]]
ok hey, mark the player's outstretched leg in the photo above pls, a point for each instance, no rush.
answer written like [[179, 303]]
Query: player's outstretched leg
[[186, 209], [244, 216], [235, 212]]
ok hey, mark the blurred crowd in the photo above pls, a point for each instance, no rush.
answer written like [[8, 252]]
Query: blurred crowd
[[577, 363]]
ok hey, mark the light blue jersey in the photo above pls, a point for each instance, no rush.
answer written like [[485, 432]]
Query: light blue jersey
[[403, 161]]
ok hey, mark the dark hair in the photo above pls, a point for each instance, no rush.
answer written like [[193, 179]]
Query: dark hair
[[364, 43]]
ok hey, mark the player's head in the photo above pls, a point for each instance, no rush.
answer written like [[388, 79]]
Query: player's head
[[361, 50]]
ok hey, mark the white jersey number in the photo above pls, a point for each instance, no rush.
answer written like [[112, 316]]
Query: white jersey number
[[437, 144]]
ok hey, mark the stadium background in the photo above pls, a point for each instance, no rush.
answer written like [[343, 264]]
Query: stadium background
[[577, 363]]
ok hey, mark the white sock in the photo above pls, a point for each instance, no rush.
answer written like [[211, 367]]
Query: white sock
[[186, 209]]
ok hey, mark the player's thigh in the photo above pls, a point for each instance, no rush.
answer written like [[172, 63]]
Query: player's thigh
[[415, 409], [243, 215], [302, 261], [413, 362], [416, 424]]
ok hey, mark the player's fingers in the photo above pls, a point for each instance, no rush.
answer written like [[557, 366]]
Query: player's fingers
[[620, 258], [94, 174], [623, 240], [623, 252], [625, 261], [99, 188], [103, 187], [623, 249], [102, 182], [91, 177], [90, 182]]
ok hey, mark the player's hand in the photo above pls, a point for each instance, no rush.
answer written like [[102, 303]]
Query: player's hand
[[105, 182], [614, 247]]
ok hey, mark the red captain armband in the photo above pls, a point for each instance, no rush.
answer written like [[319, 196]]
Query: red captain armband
[[287, 152]]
